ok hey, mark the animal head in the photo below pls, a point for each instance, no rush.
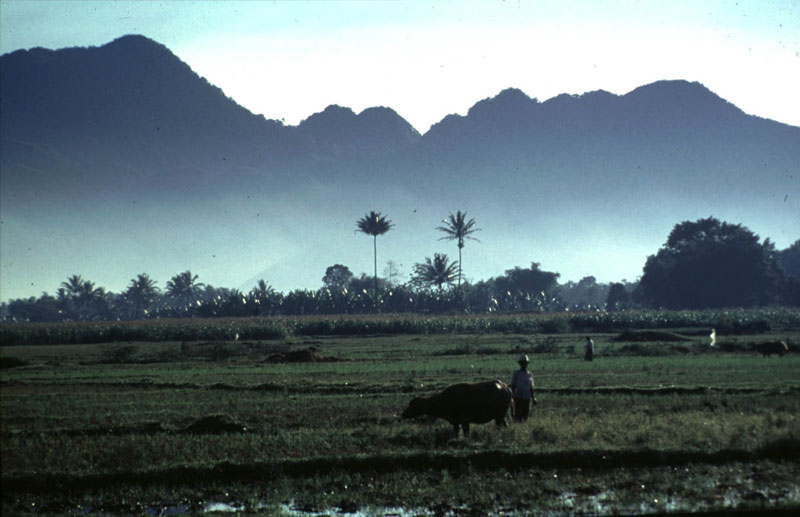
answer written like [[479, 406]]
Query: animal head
[[415, 408]]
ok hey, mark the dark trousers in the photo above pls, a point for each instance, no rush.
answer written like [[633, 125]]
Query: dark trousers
[[521, 409]]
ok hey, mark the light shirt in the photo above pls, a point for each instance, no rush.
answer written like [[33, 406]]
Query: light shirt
[[523, 382]]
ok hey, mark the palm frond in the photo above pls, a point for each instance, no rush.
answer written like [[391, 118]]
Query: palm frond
[[438, 271], [457, 227], [374, 224]]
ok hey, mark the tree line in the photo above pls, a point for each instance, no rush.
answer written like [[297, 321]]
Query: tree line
[[703, 264]]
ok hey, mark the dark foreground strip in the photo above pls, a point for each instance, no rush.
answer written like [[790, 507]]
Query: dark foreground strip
[[376, 389], [787, 450]]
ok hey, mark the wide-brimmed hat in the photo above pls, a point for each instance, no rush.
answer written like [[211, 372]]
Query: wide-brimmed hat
[[523, 359]]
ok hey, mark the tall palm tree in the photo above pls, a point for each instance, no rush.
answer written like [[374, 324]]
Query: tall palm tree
[[184, 288], [438, 271], [374, 224], [458, 228]]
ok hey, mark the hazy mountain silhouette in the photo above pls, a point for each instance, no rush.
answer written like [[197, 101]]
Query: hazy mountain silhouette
[[90, 136], [129, 107]]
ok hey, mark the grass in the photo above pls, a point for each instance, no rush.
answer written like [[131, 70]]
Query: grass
[[726, 321], [115, 426]]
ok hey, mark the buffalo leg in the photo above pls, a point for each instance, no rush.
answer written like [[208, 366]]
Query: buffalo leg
[[465, 427]]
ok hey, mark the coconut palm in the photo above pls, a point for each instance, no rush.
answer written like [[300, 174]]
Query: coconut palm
[[93, 301], [374, 224], [141, 294], [72, 287], [262, 290], [184, 288], [82, 299], [458, 228], [264, 298], [90, 294], [438, 271]]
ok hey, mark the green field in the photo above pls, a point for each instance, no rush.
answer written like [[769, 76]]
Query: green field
[[660, 422]]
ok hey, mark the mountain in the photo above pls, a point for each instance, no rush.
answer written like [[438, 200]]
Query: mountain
[[374, 129], [119, 159], [130, 106]]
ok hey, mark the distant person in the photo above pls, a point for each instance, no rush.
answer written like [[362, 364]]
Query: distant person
[[522, 388], [588, 349]]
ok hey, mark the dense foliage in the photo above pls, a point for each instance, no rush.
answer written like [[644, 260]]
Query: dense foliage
[[703, 264], [709, 263], [740, 321]]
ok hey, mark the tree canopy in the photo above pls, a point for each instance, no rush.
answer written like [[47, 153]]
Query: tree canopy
[[709, 263], [337, 276], [438, 271], [789, 259]]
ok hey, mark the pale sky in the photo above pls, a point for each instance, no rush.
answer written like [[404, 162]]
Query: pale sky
[[288, 60]]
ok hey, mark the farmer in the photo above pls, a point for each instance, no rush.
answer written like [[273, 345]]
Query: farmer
[[588, 349], [522, 388]]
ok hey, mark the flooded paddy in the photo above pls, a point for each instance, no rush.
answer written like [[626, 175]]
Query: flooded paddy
[[756, 486]]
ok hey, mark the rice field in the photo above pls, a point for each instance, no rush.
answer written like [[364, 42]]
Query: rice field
[[658, 422]]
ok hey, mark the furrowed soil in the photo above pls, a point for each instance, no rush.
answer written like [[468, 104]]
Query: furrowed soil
[[302, 426]]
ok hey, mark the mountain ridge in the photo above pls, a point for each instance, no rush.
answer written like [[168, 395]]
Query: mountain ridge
[[127, 135]]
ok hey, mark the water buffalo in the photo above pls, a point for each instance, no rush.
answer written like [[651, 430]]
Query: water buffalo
[[463, 404], [772, 347]]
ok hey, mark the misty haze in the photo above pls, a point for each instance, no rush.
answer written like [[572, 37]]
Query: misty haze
[[119, 161]]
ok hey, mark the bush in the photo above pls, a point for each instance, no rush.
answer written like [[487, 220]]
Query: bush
[[120, 354], [546, 345], [11, 362], [639, 350], [554, 326], [649, 335]]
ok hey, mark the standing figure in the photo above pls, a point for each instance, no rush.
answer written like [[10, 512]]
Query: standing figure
[[522, 388], [588, 349]]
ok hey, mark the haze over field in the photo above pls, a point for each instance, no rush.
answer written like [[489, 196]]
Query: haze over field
[[120, 159]]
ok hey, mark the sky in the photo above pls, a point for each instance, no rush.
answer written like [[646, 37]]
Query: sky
[[289, 60]]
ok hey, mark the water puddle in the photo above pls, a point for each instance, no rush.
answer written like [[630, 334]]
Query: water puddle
[[735, 490], [223, 508]]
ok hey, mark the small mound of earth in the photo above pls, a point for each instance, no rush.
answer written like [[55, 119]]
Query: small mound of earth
[[649, 335], [731, 346], [11, 362], [214, 424], [309, 355]]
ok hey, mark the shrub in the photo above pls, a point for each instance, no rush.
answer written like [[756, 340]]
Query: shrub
[[546, 345], [11, 362], [649, 335], [638, 349], [120, 354], [555, 325]]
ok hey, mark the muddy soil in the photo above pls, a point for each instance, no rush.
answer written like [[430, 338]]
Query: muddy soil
[[309, 355]]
